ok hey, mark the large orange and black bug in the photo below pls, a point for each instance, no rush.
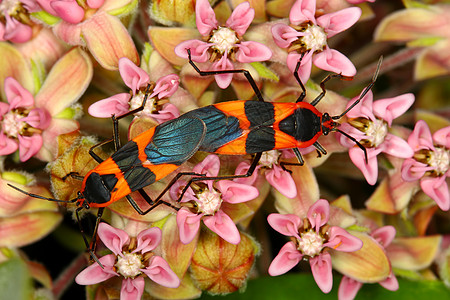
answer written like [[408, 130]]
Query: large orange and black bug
[[234, 128]]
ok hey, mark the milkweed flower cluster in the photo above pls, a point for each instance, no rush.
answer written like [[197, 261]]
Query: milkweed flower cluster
[[192, 222]]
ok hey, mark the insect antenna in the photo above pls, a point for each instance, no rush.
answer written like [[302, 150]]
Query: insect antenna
[[364, 92], [42, 197]]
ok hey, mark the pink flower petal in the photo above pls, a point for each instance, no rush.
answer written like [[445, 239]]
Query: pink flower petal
[[321, 270], [95, 3], [341, 240], [168, 112], [132, 289], [252, 51], [95, 274], [16, 95], [421, 137], [160, 272], [413, 170], [133, 76], [287, 225], [303, 10], [7, 145], [241, 17], [223, 80], [4, 108], [319, 213], [305, 67], [16, 31], [68, 10], [205, 17], [437, 189], [282, 181], [29, 146], [287, 258], [199, 50], [442, 137], [390, 283], [233, 192], [363, 108], [209, 166], [283, 35], [384, 235], [395, 146], [148, 239], [242, 168], [166, 86], [348, 288], [391, 108], [339, 21], [223, 226], [46, 5], [188, 224], [114, 105], [113, 238], [38, 118], [370, 170], [334, 61]]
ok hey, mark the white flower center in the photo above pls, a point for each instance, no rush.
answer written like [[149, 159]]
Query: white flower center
[[269, 158], [315, 38], [223, 39], [11, 124], [440, 159], [136, 102], [209, 201], [129, 265], [376, 132], [9, 7], [311, 243]]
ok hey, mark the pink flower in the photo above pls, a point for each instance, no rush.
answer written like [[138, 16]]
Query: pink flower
[[350, 287], [223, 45], [310, 239], [15, 22], [279, 178], [130, 259], [138, 80], [206, 203], [369, 123], [31, 123], [430, 163], [94, 24], [308, 35]]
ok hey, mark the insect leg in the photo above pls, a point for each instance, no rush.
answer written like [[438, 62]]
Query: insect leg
[[158, 201], [322, 86], [90, 247], [320, 149], [245, 72], [297, 77], [228, 177]]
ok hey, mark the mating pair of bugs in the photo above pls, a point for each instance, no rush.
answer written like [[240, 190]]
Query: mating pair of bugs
[[234, 128]]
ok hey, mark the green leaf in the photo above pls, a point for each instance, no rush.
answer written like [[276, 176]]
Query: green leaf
[[15, 280], [425, 42], [303, 286], [264, 71], [414, 4], [46, 17]]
